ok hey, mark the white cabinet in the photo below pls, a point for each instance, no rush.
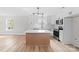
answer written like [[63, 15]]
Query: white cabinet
[[60, 35], [71, 31], [67, 30], [76, 31]]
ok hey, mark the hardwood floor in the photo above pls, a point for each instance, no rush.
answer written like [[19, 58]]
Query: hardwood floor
[[17, 43]]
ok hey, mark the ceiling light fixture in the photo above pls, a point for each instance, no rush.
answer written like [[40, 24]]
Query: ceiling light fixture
[[38, 12]]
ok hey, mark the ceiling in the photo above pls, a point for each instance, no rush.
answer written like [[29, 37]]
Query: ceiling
[[25, 11]]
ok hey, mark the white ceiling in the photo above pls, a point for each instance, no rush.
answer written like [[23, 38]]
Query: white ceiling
[[24, 11]]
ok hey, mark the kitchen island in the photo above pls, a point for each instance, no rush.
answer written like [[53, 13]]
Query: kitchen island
[[38, 37]]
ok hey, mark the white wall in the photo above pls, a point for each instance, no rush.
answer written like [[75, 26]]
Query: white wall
[[64, 12], [35, 22], [51, 22], [21, 24]]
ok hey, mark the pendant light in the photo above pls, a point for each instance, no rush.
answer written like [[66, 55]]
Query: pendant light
[[38, 14]]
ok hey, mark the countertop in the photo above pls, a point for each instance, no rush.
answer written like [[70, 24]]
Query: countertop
[[38, 31]]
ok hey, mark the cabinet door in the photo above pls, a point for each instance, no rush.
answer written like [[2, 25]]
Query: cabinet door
[[67, 30], [61, 35], [76, 31]]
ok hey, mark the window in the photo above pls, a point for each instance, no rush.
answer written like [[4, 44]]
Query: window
[[9, 23]]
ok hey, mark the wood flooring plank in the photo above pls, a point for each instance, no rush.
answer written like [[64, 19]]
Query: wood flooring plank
[[36, 49], [17, 43]]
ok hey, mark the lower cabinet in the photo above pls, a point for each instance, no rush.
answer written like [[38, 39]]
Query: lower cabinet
[[60, 35]]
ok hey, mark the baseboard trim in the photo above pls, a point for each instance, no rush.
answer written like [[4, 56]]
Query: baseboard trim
[[12, 34]]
